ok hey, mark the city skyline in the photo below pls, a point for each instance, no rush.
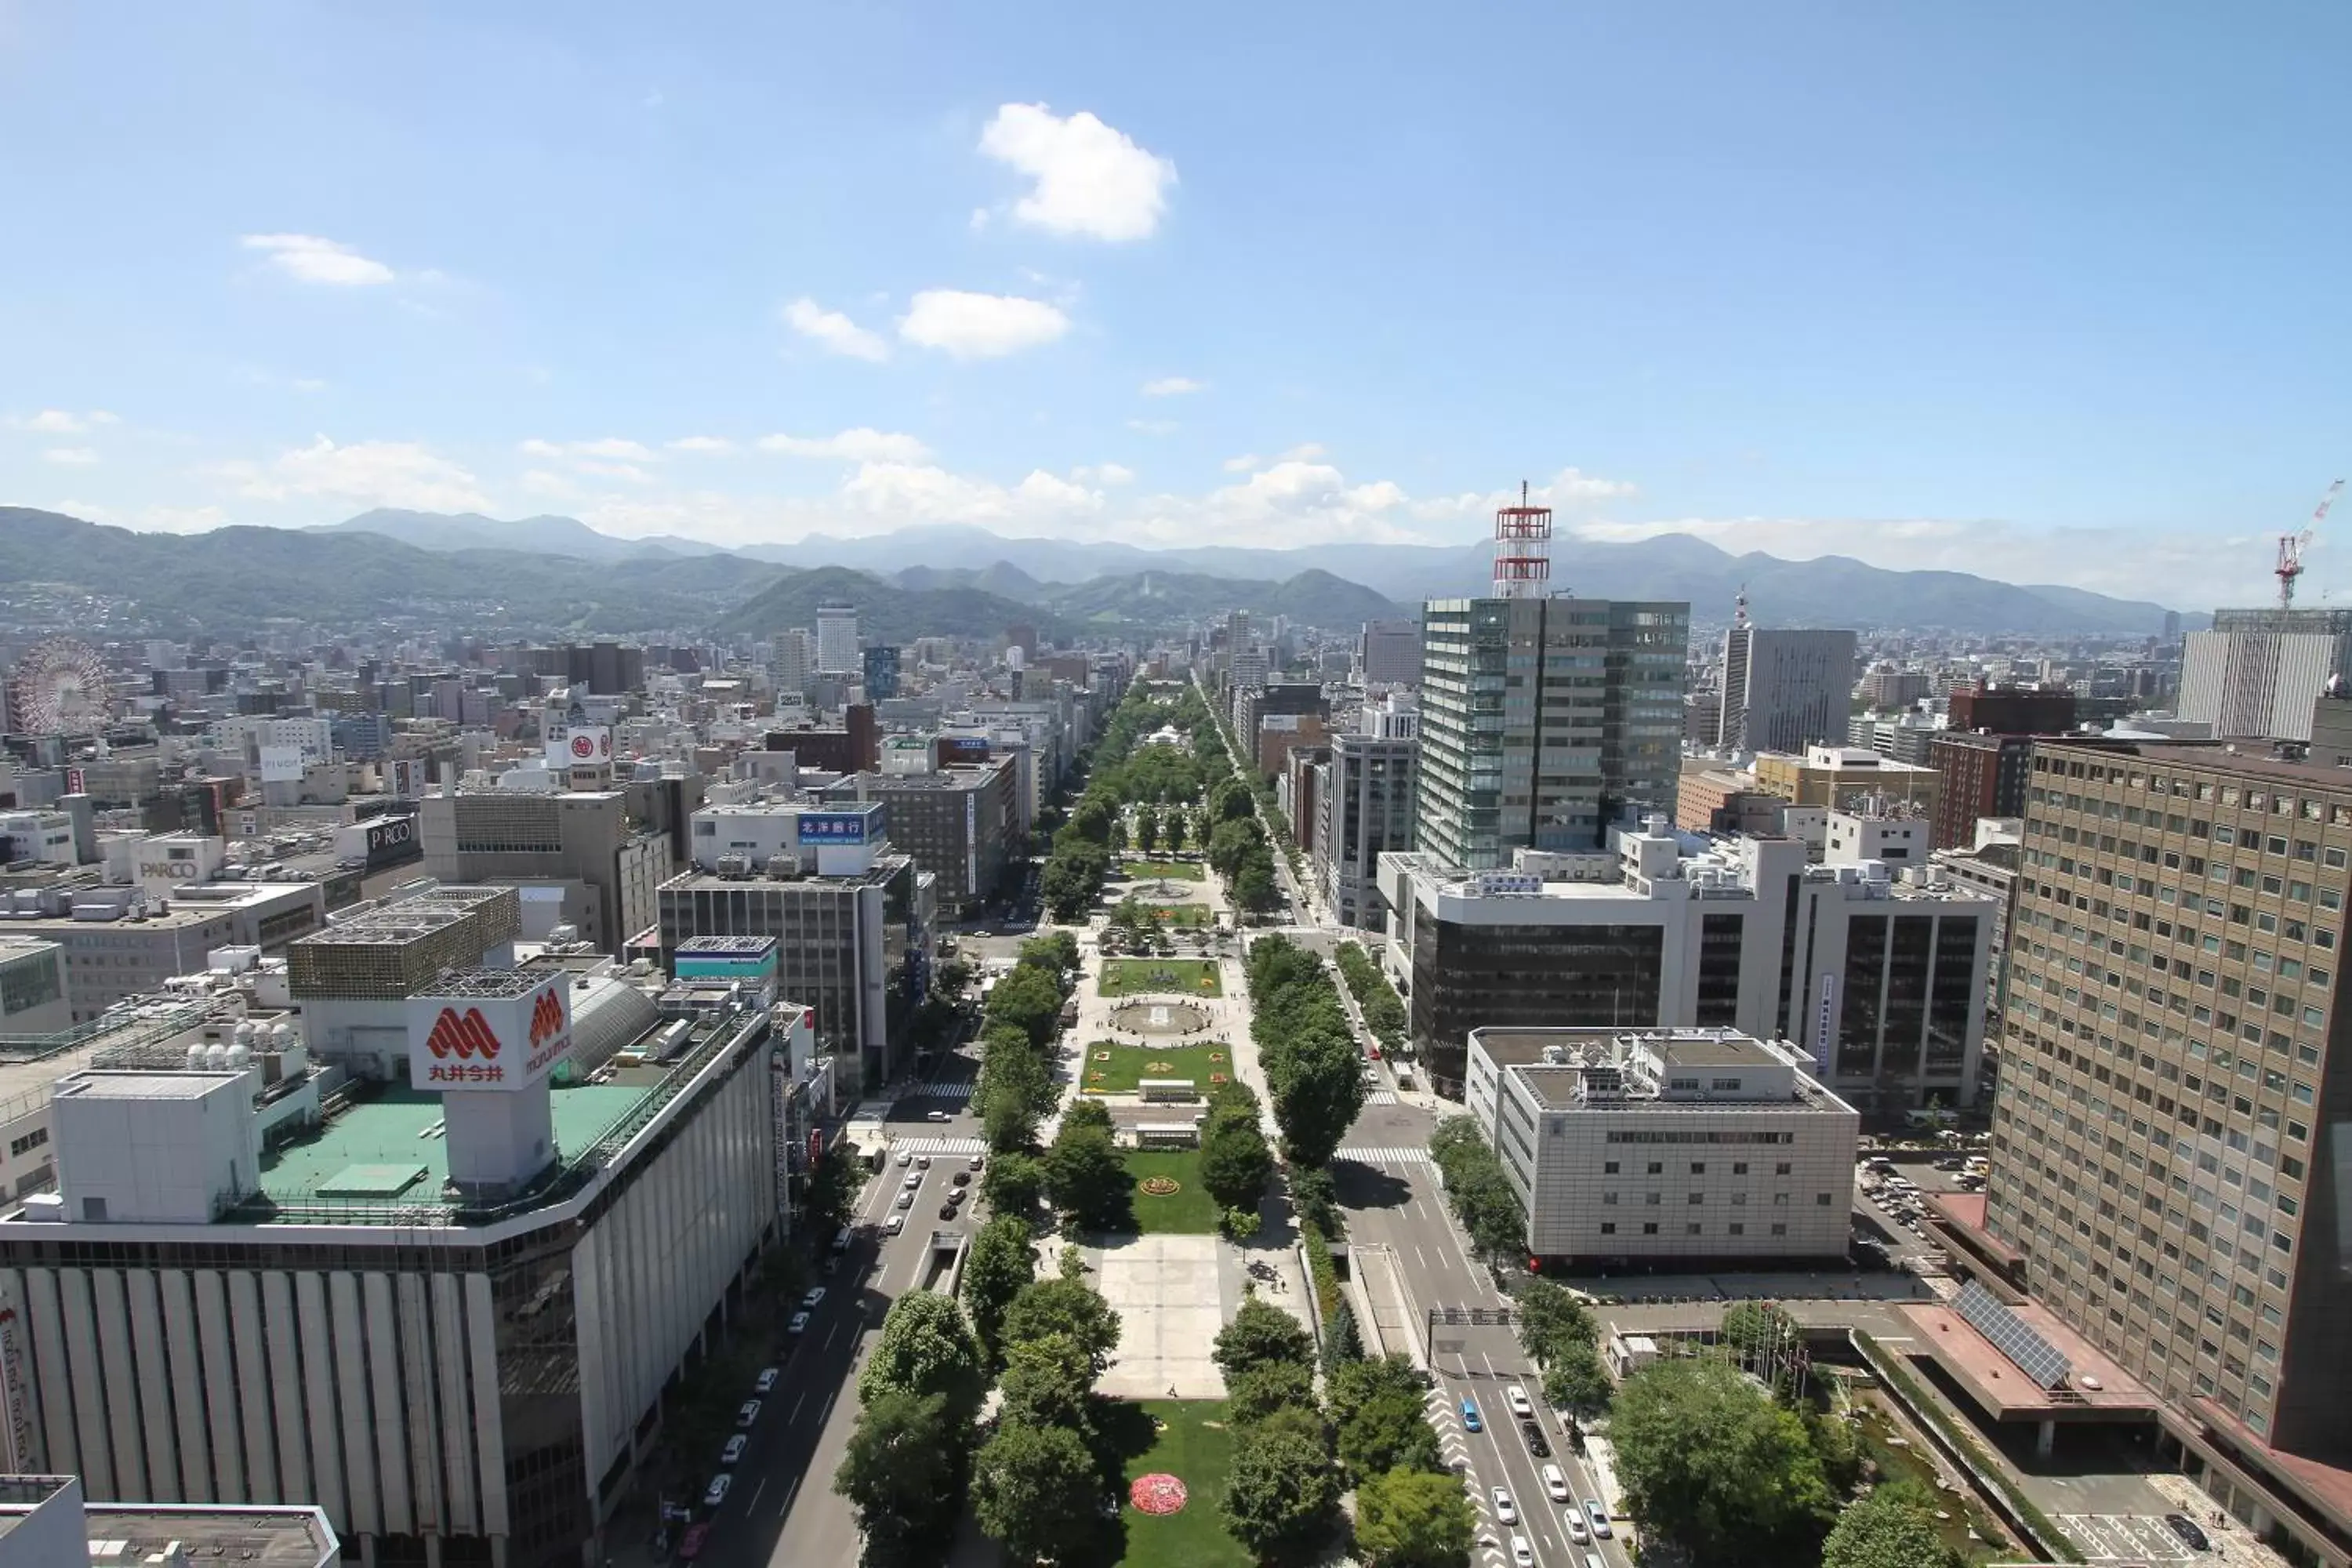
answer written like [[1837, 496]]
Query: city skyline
[[1930, 293]]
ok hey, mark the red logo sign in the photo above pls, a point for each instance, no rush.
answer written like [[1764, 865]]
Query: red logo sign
[[461, 1036], [581, 746], [546, 1018]]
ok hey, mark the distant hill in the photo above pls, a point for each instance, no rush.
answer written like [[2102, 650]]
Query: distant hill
[[1160, 598], [471, 531], [1826, 591], [886, 612], [237, 578]]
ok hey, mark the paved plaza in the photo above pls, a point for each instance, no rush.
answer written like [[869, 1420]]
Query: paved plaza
[[1170, 1293]]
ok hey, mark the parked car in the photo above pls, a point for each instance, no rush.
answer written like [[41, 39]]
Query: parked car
[[914, 1179], [2189, 1530], [1598, 1516], [748, 1412], [766, 1382], [734, 1449], [976, 1161], [1579, 1532], [1470, 1422], [922, 1161], [895, 1223], [906, 1201], [947, 1211], [798, 1323], [1555, 1480], [1505, 1509], [957, 1196], [906, 1157], [964, 1178], [813, 1299], [716, 1493], [1520, 1406]]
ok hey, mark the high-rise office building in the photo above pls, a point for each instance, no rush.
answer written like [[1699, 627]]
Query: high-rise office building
[[1390, 653], [1783, 690], [2168, 1140], [2257, 673], [1365, 809], [1544, 720], [795, 661], [836, 639]]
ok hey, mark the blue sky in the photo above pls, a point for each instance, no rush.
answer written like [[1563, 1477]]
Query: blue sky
[[2056, 293]]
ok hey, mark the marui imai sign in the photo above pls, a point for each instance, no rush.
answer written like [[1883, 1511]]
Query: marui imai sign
[[489, 1042]]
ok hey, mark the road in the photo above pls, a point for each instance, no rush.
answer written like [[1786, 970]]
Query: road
[[1396, 1202], [782, 1509]]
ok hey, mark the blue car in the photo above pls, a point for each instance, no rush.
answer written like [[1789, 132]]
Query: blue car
[[1470, 1417]]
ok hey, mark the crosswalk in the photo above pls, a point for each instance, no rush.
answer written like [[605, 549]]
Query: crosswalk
[[1380, 1097], [1384, 1156], [958, 1090], [2125, 1537], [965, 1146]]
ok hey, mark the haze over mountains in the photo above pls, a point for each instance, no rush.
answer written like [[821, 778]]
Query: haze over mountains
[[556, 573], [1826, 591]]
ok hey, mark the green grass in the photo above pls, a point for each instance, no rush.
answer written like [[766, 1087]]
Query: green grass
[[1161, 976], [1130, 1064], [1195, 1447], [1182, 914], [1188, 1211], [1162, 870]]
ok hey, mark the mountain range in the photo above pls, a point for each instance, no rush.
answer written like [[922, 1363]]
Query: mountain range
[[1829, 590]]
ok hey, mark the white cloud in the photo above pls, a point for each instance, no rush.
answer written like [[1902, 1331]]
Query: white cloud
[[979, 326], [1304, 452], [614, 447], [1173, 387], [60, 422], [308, 259], [368, 473], [1090, 180], [1571, 489], [629, 471], [1104, 474], [833, 331], [862, 445], [73, 456], [1155, 426], [1243, 464], [703, 445]]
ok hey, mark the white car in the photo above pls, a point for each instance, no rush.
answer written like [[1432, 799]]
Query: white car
[[747, 1415], [716, 1493], [1517, 1398], [1505, 1509], [799, 1324], [906, 1157], [1555, 1479], [922, 1161], [813, 1299], [766, 1382], [1578, 1535], [906, 1201], [734, 1449], [1522, 1554], [1598, 1515], [895, 1223], [914, 1179]]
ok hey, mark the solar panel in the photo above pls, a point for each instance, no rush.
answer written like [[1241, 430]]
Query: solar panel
[[2031, 1354]]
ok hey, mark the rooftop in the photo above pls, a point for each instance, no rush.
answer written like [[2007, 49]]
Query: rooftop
[[2095, 1389], [2241, 762], [263, 1537]]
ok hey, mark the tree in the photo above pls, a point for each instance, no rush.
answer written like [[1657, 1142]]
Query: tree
[[1013, 1077], [1231, 800], [1316, 1097], [1147, 829], [1037, 1492], [1253, 887], [1575, 1380], [1013, 1184], [1049, 1380], [1315, 1196], [1260, 1333], [1174, 829], [1412, 1518], [1711, 1462], [999, 1266], [1894, 1527], [1072, 879], [1030, 999], [1551, 1319], [1388, 1429], [1341, 1340], [1234, 1161], [1090, 820], [1068, 1307], [1281, 1492], [1055, 950], [1257, 1391], [926, 1347], [831, 1192], [1084, 1173], [903, 1473]]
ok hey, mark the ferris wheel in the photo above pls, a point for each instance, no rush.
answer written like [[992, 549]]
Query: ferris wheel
[[59, 687]]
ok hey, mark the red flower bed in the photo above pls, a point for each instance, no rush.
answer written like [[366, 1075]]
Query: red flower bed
[[1156, 1493]]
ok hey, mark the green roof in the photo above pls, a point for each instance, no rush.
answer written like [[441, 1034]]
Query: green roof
[[378, 1149]]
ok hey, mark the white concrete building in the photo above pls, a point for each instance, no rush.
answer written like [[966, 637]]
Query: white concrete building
[[836, 639], [1782, 691], [2257, 674], [1686, 1146]]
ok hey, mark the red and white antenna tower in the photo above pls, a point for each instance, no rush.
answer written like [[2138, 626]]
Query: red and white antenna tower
[[1522, 549]]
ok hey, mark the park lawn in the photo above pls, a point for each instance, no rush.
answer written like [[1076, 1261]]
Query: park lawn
[[1188, 1211], [1182, 914], [1128, 1064], [1197, 1449], [1160, 977], [1162, 870]]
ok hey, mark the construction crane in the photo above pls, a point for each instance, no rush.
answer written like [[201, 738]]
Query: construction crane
[[2291, 546]]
